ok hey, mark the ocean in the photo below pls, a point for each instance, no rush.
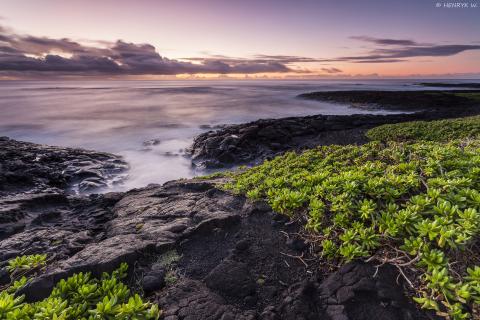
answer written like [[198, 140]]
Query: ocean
[[124, 117]]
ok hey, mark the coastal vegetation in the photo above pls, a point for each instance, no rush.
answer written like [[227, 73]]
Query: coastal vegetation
[[439, 130], [415, 205], [80, 296]]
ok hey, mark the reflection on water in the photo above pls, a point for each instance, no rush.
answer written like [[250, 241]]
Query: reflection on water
[[118, 116]]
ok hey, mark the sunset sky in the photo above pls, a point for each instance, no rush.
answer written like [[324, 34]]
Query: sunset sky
[[209, 38]]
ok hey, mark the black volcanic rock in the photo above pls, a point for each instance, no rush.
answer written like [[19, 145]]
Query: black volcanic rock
[[232, 279], [450, 85], [36, 184], [29, 167], [351, 293], [263, 139], [153, 281], [426, 100]]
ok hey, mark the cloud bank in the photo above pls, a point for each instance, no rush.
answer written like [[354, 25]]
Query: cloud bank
[[28, 54], [398, 50], [331, 70]]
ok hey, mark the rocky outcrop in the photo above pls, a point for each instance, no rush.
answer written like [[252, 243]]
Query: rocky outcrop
[[32, 168], [96, 233], [35, 184], [199, 252], [426, 100], [263, 139], [356, 291]]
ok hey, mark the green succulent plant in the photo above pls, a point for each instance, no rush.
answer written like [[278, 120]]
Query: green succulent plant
[[80, 296], [439, 130], [420, 198], [27, 263]]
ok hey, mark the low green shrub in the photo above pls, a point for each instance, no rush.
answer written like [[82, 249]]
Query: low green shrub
[[413, 205], [440, 130], [81, 296], [27, 263], [168, 259]]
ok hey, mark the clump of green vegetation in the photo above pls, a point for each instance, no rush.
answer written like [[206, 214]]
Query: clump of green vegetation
[[169, 258], [27, 263], [414, 205], [440, 130], [24, 268], [213, 175], [79, 297], [171, 277], [168, 261]]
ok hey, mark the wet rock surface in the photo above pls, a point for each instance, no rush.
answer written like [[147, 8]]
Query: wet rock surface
[[36, 184], [199, 252], [32, 168]]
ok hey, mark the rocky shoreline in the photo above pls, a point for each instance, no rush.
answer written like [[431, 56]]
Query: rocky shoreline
[[256, 141], [445, 101], [33, 168], [253, 142], [197, 251], [232, 259]]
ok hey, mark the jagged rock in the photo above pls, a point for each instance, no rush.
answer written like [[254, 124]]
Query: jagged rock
[[262, 139], [190, 299], [351, 293], [232, 279], [141, 223], [154, 280], [33, 168]]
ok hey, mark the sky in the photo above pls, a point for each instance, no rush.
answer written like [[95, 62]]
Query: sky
[[185, 39]]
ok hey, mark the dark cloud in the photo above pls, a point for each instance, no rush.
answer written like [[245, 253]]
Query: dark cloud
[[260, 58], [55, 63], [287, 59], [379, 61], [331, 70], [28, 54], [397, 50], [427, 51], [387, 42]]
